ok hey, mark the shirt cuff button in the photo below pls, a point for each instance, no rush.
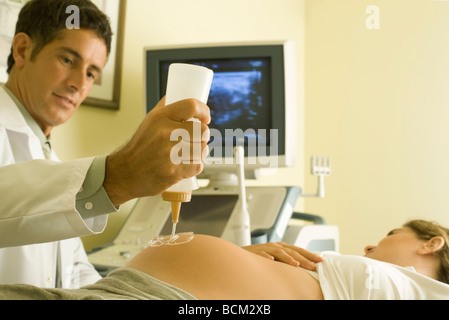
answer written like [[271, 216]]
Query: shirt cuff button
[[88, 205]]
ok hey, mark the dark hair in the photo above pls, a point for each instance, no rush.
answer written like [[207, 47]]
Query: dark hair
[[44, 20], [426, 230]]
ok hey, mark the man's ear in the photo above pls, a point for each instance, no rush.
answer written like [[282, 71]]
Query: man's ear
[[22, 47], [431, 246]]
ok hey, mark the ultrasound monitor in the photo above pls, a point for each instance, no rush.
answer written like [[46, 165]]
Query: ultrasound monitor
[[252, 100]]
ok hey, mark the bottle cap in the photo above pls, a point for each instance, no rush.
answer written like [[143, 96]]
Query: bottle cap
[[177, 196]]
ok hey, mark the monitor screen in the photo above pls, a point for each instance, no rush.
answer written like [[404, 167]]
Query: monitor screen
[[240, 97], [204, 214]]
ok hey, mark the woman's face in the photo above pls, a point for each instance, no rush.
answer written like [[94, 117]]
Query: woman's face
[[398, 247]]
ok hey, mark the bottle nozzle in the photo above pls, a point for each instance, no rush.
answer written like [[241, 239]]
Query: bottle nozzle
[[176, 198], [175, 210]]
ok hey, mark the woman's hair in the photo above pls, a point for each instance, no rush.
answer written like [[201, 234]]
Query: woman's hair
[[44, 20], [426, 230]]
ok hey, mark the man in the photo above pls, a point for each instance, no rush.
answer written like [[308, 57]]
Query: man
[[51, 71]]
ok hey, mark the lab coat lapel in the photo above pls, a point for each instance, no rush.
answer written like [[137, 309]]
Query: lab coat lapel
[[18, 130]]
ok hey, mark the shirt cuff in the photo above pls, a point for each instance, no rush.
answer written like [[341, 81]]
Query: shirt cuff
[[93, 200]]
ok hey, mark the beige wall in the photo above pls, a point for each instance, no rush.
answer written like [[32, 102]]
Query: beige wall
[[377, 103], [376, 100]]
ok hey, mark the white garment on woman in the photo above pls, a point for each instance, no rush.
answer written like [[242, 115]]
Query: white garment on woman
[[347, 277]]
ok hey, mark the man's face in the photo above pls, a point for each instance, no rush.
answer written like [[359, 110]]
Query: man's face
[[55, 83]]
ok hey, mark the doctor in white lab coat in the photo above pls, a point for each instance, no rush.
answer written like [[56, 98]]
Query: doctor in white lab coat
[[45, 205], [39, 221], [40, 215]]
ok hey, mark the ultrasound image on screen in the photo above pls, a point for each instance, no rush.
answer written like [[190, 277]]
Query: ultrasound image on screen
[[240, 96]]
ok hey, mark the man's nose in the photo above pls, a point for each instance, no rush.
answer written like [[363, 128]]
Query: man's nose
[[78, 80]]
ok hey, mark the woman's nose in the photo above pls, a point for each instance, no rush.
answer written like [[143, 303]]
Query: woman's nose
[[369, 249]]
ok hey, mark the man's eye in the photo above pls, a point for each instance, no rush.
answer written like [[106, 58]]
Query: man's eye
[[66, 60], [92, 76]]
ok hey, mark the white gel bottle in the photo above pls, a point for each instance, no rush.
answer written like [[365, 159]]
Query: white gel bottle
[[185, 81]]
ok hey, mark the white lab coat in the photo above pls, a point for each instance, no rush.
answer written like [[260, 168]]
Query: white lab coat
[[38, 220]]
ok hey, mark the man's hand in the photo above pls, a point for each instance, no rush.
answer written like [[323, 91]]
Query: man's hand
[[143, 167], [288, 254]]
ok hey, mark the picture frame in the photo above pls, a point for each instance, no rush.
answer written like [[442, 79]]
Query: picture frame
[[105, 92]]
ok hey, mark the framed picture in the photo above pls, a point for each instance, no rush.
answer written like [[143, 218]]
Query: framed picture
[[105, 92]]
